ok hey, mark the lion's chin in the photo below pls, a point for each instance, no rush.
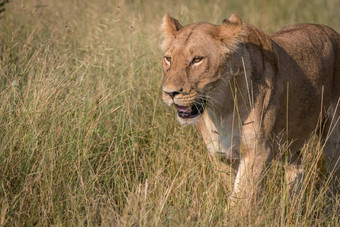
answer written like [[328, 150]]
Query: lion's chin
[[189, 121]]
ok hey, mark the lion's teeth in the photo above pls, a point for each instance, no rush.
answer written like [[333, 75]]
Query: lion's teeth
[[183, 108]]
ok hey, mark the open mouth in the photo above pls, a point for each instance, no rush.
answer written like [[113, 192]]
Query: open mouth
[[192, 111]]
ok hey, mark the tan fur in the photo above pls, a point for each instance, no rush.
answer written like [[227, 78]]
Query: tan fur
[[250, 81]]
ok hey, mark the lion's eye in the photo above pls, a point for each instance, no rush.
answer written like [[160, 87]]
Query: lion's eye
[[196, 59], [167, 59]]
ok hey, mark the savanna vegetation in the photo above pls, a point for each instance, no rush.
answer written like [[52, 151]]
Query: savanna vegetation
[[86, 140]]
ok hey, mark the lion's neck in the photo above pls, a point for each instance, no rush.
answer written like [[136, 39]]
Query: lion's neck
[[224, 126], [220, 134]]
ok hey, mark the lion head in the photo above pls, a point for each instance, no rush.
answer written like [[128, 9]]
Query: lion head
[[197, 58]]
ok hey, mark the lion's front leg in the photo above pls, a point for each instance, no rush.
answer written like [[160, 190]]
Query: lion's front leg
[[249, 176], [294, 178], [218, 165], [224, 166]]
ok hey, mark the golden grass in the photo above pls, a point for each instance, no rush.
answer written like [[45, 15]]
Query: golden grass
[[86, 140]]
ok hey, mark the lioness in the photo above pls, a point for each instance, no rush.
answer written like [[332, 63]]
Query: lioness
[[247, 91]]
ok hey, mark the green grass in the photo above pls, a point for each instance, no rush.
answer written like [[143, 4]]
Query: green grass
[[86, 140]]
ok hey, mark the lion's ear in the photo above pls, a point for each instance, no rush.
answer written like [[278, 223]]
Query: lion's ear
[[231, 32], [170, 27], [233, 19]]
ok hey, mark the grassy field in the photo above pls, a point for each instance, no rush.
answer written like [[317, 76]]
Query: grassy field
[[86, 140]]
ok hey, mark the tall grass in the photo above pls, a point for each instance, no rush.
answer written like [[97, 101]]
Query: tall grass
[[86, 140]]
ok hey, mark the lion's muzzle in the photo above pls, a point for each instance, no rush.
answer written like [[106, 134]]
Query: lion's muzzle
[[192, 111]]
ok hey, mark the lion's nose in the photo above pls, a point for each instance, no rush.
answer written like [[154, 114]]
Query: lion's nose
[[172, 92]]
